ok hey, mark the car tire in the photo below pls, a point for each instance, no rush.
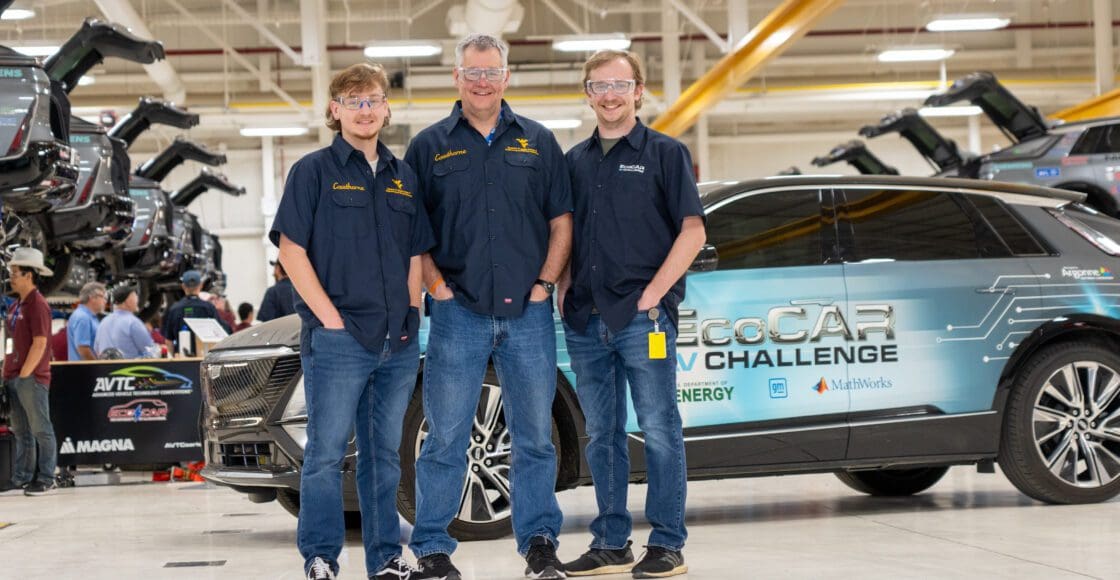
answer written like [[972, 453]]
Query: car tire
[[892, 482], [289, 500], [497, 502], [1060, 442]]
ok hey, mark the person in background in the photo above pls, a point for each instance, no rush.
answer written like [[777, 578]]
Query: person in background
[[245, 313], [225, 313], [59, 347], [191, 306], [279, 298], [122, 330], [27, 376], [81, 329]]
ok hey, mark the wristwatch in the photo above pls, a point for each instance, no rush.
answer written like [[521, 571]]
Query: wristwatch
[[548, 286]]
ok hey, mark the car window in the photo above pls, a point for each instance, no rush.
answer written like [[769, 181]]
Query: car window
[[907, 225], [1104, 139], [768, 230], [1008, 229]]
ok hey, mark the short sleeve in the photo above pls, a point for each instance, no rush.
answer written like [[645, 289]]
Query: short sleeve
[[39, 321], [559, 200], [296, 213], [681, 195]]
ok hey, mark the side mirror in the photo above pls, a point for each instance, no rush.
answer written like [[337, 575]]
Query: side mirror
[[706, 260]]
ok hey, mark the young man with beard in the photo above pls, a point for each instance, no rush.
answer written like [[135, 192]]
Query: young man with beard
[[351, 229], [499, 197], [638, 226]]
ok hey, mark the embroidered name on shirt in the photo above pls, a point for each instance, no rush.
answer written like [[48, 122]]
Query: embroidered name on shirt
[[347, 186], [524, 147], [442, 156], [399, 189], [632, 168]]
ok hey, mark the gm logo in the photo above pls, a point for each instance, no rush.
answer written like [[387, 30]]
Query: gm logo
[[778, 389]]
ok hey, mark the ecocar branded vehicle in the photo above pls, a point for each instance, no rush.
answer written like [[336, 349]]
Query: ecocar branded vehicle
[[1079, 156], [883, 328]]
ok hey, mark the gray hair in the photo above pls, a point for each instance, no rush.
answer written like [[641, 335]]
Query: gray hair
[[481, 42], [89, 290]]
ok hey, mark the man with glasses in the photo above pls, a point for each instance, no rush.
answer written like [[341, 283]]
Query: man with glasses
[[27, 376], [351, 229], [81, 329], [638, 226], [500, 201]]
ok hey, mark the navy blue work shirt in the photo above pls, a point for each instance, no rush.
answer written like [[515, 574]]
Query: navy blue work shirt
[[629, 207], [490, 205], [188, 307], [279, 300], [360, 231]]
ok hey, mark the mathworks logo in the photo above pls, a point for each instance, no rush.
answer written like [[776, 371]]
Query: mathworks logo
[[1079, 273], [821, 386]]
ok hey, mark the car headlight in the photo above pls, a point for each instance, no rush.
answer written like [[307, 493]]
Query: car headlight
[[296, 410]]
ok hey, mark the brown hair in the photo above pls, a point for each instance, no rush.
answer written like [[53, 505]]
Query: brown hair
[[603, 57], [355, 77]]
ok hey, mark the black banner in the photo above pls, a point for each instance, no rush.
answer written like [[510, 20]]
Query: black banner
[[127, 413]]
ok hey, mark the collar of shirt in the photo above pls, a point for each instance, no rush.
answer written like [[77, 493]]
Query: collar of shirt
[[635, 138], [505, 119], [344, 152]]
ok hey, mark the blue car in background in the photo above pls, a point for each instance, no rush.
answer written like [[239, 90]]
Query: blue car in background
[[883, 328]]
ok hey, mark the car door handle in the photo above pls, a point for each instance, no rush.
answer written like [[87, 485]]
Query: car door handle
[[817, 301]]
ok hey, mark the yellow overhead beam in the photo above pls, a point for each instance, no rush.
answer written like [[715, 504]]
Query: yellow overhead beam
[[780, 29], [1106, 105]]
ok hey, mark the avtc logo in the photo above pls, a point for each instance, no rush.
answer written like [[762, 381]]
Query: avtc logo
[[141, 377], [96, 446]]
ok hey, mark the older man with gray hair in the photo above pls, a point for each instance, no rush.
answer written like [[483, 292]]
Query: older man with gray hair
[[497, 189], [81, 329]]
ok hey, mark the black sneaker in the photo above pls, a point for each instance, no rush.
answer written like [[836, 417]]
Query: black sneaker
[[659, 562], [396, 569], [598, 561], [542, 560], [8, 488], [320, 569], [436, 567], [37, 488]]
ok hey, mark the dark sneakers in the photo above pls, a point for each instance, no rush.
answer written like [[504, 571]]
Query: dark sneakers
[[542, 561], [39, 488], [320, 569], [598, 561], [396, 569], [7, 488], [659, 562], [436, 567]]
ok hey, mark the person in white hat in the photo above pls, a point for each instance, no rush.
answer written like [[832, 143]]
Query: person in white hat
[[27, 376]]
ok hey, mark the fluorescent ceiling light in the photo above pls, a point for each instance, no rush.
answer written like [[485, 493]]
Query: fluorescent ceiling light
[[883, 95], [915, 54], [402, 49], [591, 42], [967, 23], [562, 123], [86, 80], [17, 14], [958, 111], [41, 50], [273, 131]]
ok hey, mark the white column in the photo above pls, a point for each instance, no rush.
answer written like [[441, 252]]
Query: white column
[[738, 22], [702, 153], [670, 52], [1102, 45], [974, 145], [314, 36], [269, 201]]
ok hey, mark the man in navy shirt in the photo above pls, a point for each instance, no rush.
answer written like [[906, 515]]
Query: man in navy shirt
[[189, 306], [638, 226], [279, 298], [499, 198], [351, 229]]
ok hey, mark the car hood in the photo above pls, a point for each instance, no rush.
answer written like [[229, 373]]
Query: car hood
[[282, 331]]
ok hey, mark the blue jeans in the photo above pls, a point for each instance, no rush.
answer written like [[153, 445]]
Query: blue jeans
[[604, 362], [460, 343], [350, 389], [31, 423]]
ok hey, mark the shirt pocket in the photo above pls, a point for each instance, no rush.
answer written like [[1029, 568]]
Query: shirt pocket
[[525, 173], [349, 214], [450, 175], [403, 210]]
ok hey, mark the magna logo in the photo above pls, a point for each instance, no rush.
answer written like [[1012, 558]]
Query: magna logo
[[96, 446], [141, 378]]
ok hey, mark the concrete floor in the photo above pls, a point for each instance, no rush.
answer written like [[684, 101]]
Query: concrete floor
[[970, 525]]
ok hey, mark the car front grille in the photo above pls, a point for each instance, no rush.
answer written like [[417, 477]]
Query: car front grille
[[245, 454], [244, 392]]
